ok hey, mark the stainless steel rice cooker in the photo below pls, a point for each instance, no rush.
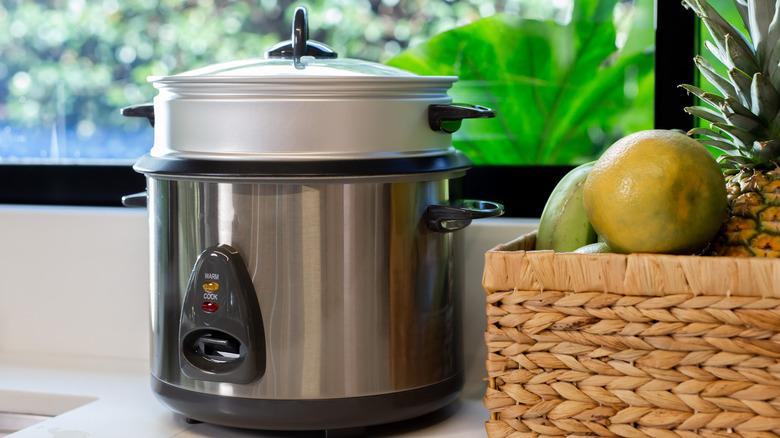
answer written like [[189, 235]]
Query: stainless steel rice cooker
[[305, 272]]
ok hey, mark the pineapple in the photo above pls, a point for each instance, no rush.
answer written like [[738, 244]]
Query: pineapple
[[744, 123]]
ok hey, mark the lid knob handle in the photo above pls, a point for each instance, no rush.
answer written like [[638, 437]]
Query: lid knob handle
[[300, 45], [300, 34]]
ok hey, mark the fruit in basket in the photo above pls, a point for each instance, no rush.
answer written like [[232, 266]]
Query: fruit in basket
[[745, 123], [656, 191], [564, 226], [594, 248]]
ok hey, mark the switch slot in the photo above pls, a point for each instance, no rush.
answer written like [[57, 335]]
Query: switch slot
[[219, 349]]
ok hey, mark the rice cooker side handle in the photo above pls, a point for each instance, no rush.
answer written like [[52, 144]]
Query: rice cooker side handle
[[143, 110], [447, 118], [137, 200], [449, 218]]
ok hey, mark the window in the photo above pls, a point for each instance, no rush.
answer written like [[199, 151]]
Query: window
[[63, 141]]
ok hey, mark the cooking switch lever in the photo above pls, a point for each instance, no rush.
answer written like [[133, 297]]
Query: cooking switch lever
[[218, 349]]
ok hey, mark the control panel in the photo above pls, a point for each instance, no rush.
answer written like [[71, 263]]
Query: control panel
[[221, 331]]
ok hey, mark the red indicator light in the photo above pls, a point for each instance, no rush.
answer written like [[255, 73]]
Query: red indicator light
[[209, 306]]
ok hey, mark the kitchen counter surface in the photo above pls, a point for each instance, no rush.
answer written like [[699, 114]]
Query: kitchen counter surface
[[116, 402], [74, 336]]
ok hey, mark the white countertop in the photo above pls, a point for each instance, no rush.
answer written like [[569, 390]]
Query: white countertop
[[123, 405], [74, 330]]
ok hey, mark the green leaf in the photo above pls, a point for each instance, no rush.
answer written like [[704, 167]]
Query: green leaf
[[707, 114], [773, 46], [718, 81], [742, 84], [732, 161], [742, 9], [760, 14], [551, 86], [722, 146], [764, 98], [719, 27], [743, 139], [774, 124], [720, 54], [768, 151], [744, 61], [773, 66], [709, 133], [750, 123], [713, 99], [734, 106]]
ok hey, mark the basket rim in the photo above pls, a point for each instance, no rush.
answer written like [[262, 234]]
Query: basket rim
[[516, 265]]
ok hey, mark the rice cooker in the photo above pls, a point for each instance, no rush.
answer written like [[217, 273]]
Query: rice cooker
[[305, 260]]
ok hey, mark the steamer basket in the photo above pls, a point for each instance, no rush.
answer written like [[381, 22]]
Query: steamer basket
[[634, 345]]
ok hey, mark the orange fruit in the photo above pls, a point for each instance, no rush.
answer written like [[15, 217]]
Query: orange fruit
[[656, 191]]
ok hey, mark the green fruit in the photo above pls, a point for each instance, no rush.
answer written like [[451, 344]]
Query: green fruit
[[594, 248], [564, 226]]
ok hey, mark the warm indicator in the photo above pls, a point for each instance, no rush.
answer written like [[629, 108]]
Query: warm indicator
[[209, 306], [211, 286]]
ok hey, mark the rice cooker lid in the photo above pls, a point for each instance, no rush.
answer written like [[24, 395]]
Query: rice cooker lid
[[297, 59], [234, 119], [277, 67]]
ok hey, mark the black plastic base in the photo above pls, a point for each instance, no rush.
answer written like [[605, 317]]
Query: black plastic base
[[312, 414]]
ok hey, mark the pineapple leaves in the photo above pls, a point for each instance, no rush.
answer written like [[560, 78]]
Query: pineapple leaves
[[742, 9], [719, 28], [716, 140], [760, 15], [768, 151], [709, 133], [774, 124], [765, 101], [722, 146], [732, 161], [773, 66], [741, 60], [749, 123], [745, 121], [742, 84], [741, 138], [761, 18], [712, 99], [773, 40], [706, 114], [721, 83], [732, 106]]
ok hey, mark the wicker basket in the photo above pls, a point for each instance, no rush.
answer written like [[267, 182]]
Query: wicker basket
[[631, 346]]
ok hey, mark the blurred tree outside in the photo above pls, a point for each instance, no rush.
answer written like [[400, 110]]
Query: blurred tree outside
[[68, 66]]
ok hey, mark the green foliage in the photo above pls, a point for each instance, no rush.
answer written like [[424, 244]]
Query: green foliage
[[562, 93], [66, 67]]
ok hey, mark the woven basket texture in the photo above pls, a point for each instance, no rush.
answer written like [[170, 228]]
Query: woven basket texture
[[634, 345]]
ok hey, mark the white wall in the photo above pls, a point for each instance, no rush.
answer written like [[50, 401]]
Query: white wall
[[75, 281]]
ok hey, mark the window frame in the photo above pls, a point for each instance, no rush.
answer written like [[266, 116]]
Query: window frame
[[522, 189], [74, 185]]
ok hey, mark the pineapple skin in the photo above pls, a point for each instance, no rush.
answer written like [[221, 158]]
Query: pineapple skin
[[752, 226]]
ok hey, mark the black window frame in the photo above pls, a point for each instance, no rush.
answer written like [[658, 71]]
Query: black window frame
[[522, 189]]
